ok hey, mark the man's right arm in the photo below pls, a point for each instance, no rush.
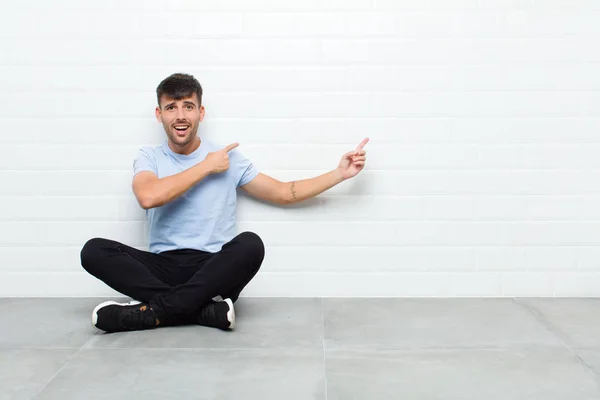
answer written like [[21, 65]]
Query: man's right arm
[[151, 191]]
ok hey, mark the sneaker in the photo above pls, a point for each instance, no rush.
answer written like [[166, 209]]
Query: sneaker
[[111, 316], [218, 315]]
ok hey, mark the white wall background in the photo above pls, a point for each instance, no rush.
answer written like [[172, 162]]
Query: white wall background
[[483, 172]]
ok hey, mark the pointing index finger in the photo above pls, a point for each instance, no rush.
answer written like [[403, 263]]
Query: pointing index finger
[[362, 144], [231, 147]]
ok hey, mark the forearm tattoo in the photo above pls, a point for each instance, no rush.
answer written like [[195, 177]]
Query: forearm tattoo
[[293, 190]]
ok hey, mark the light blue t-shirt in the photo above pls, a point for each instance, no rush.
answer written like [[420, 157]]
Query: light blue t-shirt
[[204, 217]]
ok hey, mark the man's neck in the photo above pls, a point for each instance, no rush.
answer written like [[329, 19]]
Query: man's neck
[[187, 149]]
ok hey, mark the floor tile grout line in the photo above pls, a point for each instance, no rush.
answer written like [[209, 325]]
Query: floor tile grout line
[[63, 367], [304, 349], [216, 349], [89, 342], [41, 348], [441, 349], [324, 352], [548, 327]]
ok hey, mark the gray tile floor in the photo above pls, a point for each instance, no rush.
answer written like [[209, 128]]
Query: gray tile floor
[[543, 349]]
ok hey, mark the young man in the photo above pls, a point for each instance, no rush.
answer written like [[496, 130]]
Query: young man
[[196, 265]]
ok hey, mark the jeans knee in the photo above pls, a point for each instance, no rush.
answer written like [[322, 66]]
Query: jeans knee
[[253, 244], [91, 253]]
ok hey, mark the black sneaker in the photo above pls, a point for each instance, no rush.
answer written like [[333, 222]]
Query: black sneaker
[[218, 315], [111, 316]]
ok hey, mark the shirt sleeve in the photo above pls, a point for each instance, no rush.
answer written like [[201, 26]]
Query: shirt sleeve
[[144, 161], [244, 169]]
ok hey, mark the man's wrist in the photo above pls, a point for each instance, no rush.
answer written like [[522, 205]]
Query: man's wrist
[[203, 169], [339, 176]]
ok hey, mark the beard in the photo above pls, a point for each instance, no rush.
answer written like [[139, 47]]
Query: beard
[[177, 137]]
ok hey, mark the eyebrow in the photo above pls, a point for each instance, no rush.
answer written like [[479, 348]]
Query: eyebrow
[[184, 103]]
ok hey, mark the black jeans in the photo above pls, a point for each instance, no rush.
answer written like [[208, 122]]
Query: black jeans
[[178, 283]]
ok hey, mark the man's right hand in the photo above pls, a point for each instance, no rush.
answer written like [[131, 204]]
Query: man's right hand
[[218, 161]]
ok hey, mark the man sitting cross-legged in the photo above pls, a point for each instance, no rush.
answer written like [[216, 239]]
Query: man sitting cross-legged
[[196, 265]]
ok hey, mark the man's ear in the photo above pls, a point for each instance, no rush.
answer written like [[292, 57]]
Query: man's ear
[[158, 114], [202, 113]]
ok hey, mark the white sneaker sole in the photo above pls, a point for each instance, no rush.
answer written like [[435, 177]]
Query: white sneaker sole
[[230, 313], [108, 303]]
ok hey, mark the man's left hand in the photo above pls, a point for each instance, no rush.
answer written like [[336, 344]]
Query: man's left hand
[[354, 161]]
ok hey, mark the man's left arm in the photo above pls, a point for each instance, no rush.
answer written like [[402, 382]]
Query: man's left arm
[[270, 189]]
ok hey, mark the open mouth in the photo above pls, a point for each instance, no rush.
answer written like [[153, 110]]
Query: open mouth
[[181, 130]]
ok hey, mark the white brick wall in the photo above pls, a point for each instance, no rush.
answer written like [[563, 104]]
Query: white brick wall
[[483, 176]]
